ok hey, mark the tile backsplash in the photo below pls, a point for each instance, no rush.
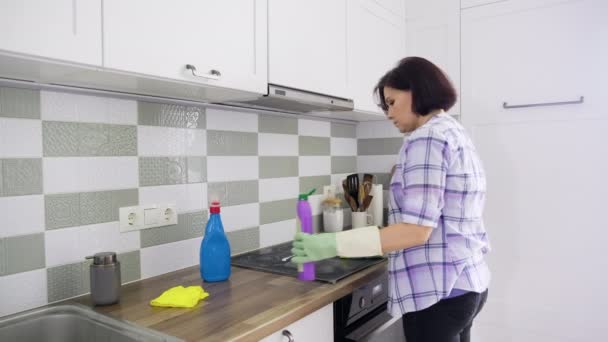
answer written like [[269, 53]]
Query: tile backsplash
[[69, 161]]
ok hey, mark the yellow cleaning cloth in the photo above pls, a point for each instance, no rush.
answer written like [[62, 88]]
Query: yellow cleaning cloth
[[180, 297]]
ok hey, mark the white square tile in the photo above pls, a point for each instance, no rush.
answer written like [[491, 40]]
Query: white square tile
[[270, 144], [84, 108], [187, 197], [20, 138], [275, 189], [343, 146], [377, 129], [69, 245], [154, 260], [169, 141], [23, 291], [277, 232], [379, 163], [237, 217], [223, 169], [21, 215], [314, 128], [227, 120], [80, 174], [314, 166]]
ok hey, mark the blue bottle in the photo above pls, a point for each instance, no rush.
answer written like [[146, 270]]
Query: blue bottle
[[215, 248]]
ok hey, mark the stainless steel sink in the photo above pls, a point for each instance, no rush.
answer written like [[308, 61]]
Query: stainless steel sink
[[67, 323]]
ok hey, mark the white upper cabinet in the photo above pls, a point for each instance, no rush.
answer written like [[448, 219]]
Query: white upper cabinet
[[226, 41], [433, 32], [376, 42], [519, 53], [66, 30], [307, 45]]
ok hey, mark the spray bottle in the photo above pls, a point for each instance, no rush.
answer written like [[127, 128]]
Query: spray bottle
[[307, 270], [215, 248]]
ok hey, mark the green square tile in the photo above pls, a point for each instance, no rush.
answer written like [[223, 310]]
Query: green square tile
[[316, 182], [341, 130], [227, 143], [276, 167], [68, 139], [21, 253], [60, 139], [379, 146], [162, 171], [244, 240], [189, 226], [103, 206], [62, 210], [234, 193], [170, 115], [314, 146], [19, 103], [68, 281], [21, 176], [346, 164], [130, 266], [277, 211], [277, 124]]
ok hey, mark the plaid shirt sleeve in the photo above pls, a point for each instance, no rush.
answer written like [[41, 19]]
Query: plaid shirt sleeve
[[423, 168]]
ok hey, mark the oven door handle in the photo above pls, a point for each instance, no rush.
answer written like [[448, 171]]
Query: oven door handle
[[373, 328]]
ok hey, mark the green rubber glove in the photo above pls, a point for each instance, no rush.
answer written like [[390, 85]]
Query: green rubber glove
[[313, 247]]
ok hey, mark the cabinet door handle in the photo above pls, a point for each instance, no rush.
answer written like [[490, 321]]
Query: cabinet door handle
[[289, 336], [212, 75], [508, 106]]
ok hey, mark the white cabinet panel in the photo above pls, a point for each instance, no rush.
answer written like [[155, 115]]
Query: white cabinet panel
[[376, 42], [433, 32], [538, 55], [160, 38], [68, 30], [307, 45], [317, 327], [544, 214], [544, 165]]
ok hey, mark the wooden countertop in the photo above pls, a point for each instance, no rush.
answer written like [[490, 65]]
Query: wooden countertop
[[248, 307]]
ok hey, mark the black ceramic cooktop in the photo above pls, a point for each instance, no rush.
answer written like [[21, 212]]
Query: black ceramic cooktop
[[270, 259]]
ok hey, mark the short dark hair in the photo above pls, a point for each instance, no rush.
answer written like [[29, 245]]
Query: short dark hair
[[431, 89]]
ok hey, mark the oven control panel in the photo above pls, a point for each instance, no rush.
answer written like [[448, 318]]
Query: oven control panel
[[368, 297]]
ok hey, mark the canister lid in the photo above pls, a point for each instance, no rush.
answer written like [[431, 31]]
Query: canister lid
[[103, 258]]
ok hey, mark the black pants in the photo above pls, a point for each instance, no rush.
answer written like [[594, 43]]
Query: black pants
[[449, 320]]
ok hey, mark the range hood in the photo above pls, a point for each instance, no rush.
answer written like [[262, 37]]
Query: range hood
[[284, 99]]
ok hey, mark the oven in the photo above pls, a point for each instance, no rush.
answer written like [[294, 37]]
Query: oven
[[362, 315]]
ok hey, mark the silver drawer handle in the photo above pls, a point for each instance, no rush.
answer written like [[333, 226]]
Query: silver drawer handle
[[212, 75], [508, 106], [287, 334]]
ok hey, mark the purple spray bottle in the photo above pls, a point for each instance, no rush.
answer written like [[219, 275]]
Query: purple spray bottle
[[307, 270]]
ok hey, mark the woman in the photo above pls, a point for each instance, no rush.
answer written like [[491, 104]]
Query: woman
[[435, 239]]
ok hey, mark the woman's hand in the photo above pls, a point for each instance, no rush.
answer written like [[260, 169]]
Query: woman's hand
[[313, 247]]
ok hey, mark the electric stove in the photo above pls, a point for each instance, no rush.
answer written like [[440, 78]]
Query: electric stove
[[274, 259]]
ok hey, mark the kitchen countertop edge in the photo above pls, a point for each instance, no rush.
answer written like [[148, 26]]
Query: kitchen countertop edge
[[273, 319]]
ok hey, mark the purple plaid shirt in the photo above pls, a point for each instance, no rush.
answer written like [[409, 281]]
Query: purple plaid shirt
[[438, 182]]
